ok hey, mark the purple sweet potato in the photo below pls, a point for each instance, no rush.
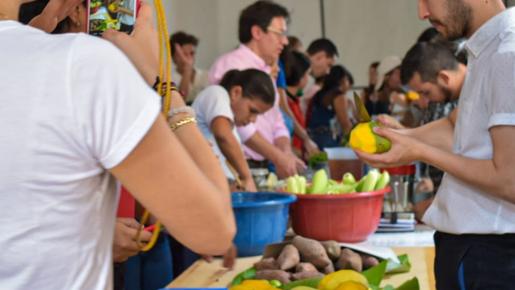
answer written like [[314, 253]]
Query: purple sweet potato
[[349, 260], [280, 275], [266, 264], [311, 251], [306, 275], [329, 269], [369, 261], [333, 249], [305, 267], [289, 257]]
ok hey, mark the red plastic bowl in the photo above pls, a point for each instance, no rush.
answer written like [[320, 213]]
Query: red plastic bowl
[[346, 218]]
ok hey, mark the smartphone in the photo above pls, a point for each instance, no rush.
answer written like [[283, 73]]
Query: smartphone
[[111, 14]]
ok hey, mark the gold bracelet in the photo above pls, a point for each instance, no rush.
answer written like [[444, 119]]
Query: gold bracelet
[[182, 122]]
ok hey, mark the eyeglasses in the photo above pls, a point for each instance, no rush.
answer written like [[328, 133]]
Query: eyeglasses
[[277, 31]]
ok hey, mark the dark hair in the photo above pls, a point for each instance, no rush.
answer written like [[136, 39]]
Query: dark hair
[[428, 59], [429, 35], [296, 65], [332, 82], [293, 41], [254, 84], [323, 44], [374, 65], [182, 38], [260, 13], [32, 9]]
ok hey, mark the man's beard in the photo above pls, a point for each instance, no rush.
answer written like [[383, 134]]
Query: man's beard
[[458, 19]]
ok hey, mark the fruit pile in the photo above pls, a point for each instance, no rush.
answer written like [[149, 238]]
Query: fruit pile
[[323, 185]]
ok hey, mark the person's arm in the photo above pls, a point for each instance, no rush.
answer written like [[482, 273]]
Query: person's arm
[[222, 129], [163, 166], [284, 163], [185, 65], [159, 171], [439, 133], [340, 108], [55, 11], [310, 146], [494, 176]]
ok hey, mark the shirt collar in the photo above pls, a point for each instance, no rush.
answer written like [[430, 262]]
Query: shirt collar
[[489, 31], [254, 58]]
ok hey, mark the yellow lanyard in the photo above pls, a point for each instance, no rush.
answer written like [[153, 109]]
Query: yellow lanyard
[[165, 74]]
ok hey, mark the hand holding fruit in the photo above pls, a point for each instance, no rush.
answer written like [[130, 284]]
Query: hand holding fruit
[[404, 150]]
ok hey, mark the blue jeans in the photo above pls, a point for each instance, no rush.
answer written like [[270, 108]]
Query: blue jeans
[[151, 270]]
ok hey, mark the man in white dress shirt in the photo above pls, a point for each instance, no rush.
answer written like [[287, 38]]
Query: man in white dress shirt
[[474, 210]]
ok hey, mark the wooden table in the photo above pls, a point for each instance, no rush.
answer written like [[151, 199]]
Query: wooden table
[[204, 275]]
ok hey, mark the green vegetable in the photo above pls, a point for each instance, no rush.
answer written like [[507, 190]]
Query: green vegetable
[[370, 180], [320, 181], [312, 282], [301, 181], [292, 185], [410, 285], [375, 274], [317, 159], [250, 273], [276, 283], [348, 178], [383, 181]]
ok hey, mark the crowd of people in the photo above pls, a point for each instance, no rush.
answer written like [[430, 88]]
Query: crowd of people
[[85, 126]]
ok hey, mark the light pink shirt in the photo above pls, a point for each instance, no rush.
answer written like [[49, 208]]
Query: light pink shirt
[[270, 124]]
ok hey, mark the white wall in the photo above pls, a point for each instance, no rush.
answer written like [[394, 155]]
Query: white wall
[[363, 30]]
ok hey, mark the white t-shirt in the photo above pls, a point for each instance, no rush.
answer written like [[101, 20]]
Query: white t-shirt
[[72, 106], [487, 100], [211, 103]]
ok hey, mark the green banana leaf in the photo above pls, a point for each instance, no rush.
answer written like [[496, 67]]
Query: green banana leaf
[[410, 285], [250, 273], [375, 274], [402, 267]]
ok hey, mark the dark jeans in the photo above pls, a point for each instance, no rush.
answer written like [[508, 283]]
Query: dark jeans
[[475, 262]]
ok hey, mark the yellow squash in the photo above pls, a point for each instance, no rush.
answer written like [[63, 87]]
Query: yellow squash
[[254, 285], [336, 279], [363, 138]]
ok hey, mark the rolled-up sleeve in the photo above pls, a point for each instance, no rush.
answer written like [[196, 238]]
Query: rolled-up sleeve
[[502, 103]]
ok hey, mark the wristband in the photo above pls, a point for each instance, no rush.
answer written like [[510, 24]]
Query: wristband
[[184, 109]]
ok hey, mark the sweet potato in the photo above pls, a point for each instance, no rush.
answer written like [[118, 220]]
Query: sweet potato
[[329, 269], [368, 261], [279, 275], [305, 267], [311, 251], [349, 260], [333, 249], [306, 275], [289, 257], [266, 264]]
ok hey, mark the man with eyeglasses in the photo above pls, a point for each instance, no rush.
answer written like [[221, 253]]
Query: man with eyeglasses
[[263, 35]]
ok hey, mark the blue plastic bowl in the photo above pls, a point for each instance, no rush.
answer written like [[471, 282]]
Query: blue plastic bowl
[[261, 219]]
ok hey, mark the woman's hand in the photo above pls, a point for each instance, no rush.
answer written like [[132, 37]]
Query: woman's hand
[[124, 245], [55, 12], [142, 46]]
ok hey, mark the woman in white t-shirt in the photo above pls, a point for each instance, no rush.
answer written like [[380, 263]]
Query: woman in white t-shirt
[[237, 101]]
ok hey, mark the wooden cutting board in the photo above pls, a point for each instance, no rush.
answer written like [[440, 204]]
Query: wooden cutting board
[[212, 275]]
